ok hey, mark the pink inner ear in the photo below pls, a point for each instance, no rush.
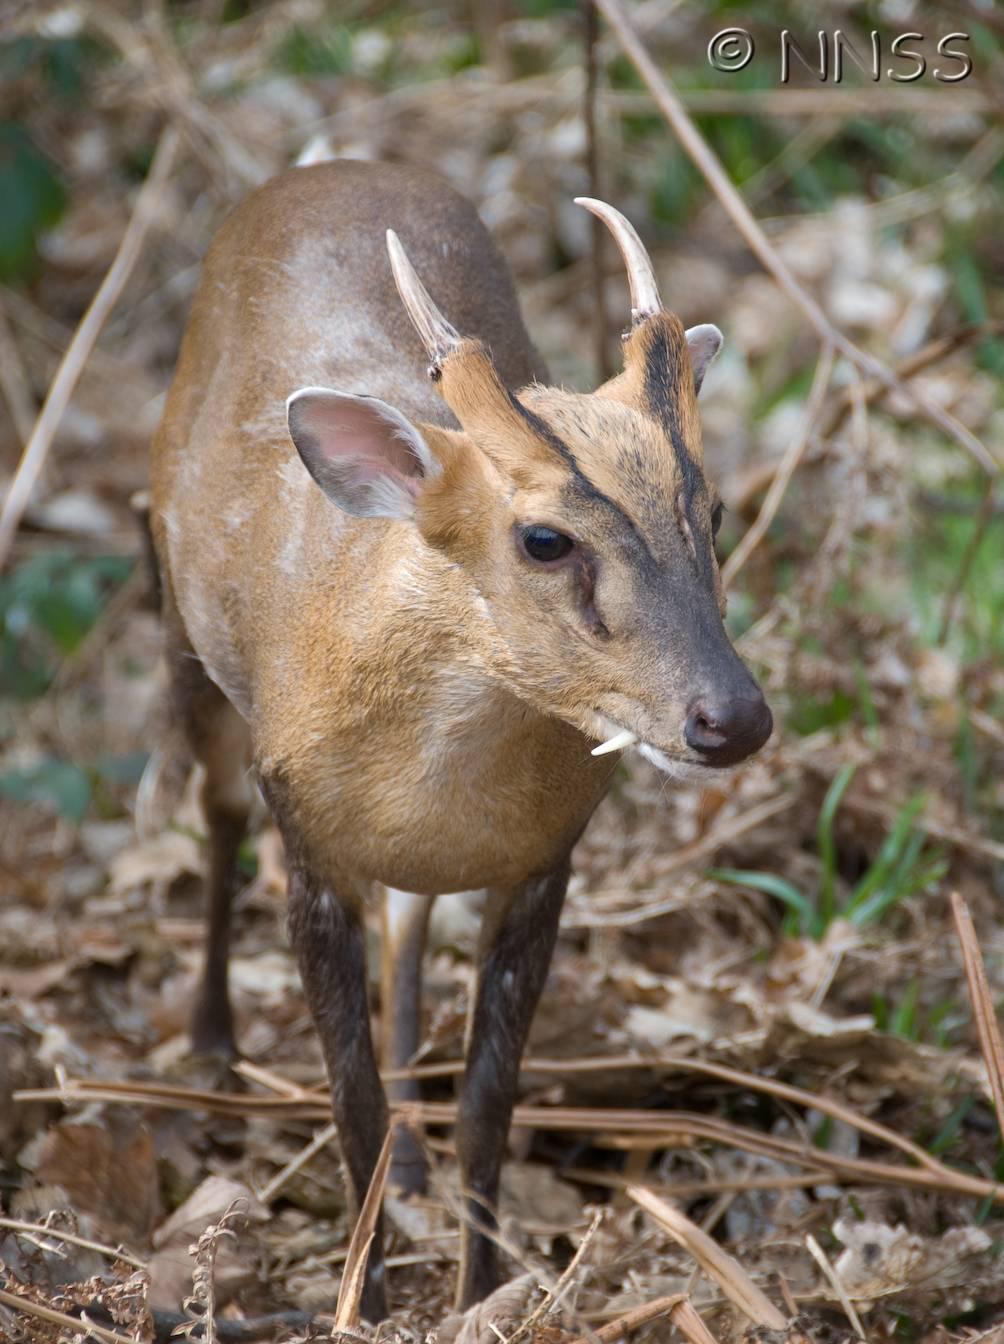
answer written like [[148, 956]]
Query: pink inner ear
[[373, 441]]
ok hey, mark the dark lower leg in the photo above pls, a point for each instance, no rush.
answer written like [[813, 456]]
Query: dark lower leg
[[405, 921], [212, 1020], [517, 941], [219, 739], [329, 941]]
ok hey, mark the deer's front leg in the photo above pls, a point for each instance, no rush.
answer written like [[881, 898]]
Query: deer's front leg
[[517, 940], [329, 940]]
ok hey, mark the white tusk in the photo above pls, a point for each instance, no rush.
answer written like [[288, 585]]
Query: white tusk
[[625, 738]]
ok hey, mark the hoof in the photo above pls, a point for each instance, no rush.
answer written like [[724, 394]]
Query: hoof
[[213, 1034]]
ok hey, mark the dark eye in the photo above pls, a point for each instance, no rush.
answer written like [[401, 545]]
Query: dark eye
[[716, 518], [544, 544]]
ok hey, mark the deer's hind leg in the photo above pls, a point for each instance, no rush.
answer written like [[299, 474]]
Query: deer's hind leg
[[405, 920], [219, 739]]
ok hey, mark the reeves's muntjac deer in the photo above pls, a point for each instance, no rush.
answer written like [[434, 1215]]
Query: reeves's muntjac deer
[[430, 599]]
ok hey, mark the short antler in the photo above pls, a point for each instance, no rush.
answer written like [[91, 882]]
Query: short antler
[[437, 335], [645, 301]]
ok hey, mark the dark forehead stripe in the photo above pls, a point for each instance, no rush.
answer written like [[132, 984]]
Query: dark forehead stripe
[[582, 482], [668, 377]]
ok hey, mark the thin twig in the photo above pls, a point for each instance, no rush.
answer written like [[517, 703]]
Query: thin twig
[[598, 230], [785, 470], [749, 481], [80, 1325], [14, 382], [710, 166], [633, 1320], [829, 1274], [987, 1027], [71, 1238], [320, 1140], [554, 1295], [72, 364], [984, 517]]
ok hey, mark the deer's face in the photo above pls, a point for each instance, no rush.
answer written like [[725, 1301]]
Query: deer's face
[[584, 525]]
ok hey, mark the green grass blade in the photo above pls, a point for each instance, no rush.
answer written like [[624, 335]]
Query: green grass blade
[[886, 862], [771, 885]]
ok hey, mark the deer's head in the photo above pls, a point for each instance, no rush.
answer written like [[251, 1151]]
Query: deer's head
[[584, 523]]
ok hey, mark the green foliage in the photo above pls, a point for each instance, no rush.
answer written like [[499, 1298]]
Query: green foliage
[[69, 789], [316, 53], [58, 785], [33, 198], [811, 713], [934, 553], [47, 606], [63, 62], [901, 868]]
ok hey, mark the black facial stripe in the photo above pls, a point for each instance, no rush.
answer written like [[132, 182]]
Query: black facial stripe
[[665, 378], [582, 484]]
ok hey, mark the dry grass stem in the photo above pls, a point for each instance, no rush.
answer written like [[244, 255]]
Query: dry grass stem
[[987, 1027], [656, 1128], [320, 1140], [41, 1230], [632, 1320], [819, 1255], [785, 470], [76, 356], [733, 1280], [684, 1316], [14, 382], [353, 1276]]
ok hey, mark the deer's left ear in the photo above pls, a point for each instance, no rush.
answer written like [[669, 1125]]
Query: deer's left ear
[[704, 343], [365, 455]]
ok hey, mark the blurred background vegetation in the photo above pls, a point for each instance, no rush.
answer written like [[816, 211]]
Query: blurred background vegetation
[[873, 609]]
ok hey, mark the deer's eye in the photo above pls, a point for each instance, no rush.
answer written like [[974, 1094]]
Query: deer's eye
[[716, 518], [545, 545]]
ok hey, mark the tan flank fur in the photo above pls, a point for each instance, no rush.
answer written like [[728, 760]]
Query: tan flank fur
[[419, 603]]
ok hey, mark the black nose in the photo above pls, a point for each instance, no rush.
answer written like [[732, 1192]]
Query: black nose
[[726, 731]]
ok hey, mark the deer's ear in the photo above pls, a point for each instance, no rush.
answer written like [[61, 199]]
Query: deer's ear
[[704, 342], [366, 456]]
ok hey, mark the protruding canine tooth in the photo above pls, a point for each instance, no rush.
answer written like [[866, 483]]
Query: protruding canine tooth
[[625, 738]]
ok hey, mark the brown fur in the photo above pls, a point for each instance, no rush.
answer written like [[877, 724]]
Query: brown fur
[[419, 699]]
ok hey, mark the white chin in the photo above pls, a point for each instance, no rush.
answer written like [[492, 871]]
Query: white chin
[[682, 770]]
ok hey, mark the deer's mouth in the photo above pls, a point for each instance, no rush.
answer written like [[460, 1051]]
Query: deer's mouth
[[676, 767]]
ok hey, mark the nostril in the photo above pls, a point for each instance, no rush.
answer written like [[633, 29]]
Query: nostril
[[729, 732], [703, 732]]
